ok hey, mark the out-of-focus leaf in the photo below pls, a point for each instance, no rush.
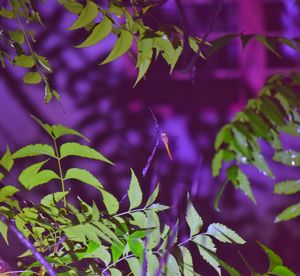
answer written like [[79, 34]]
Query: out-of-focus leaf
[[24, 61], [260, 162], [32, 78], [6, 160], [17, 36], [224, 234], [217, 162], [268, 43], [287, 187], [121, 46], [291, 212], [289, 157], [71, 5], [274, 259], [135, 194], [282, 271], [87, 15], [115, 272], [34, 150], [7, 191], [245, 39], [193, 219], [99, 32], [75, 149]]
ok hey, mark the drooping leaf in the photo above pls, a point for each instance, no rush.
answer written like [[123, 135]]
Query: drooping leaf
[[84, 176], [60, 130], [217, 162], [135, 194], [75, 149], [43, 62], [268, 43], [34, 150], [71, 5], [193, 219], [287, 187], [122, 45], [32, 176], [188, 268], [135, 266], [117, 251], [224, 234], [231, 270], [274, 259], [32, 78], [282, 271], [51, 199], [291, 212], [99, 32], [24, 61], [87, 15], [3, 231], [172, 267], [153, 196], [7, 191], [223, 136], [46, 127]]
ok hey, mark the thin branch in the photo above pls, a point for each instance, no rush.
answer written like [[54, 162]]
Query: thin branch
[[28, 245]]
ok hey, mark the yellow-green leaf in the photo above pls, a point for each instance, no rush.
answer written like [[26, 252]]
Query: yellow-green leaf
[[135, 194], [32, 78], [24, 61], [34, 150]]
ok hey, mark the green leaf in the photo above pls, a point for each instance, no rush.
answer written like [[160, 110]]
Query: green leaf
[[220, 42], [217, 162], [6, 13], [135, 266], [115, 272], [32, 78], [117, 251], [46, 127], [7, 161], [156, 207], [289, 157], [32, 177], [87, 15], [136, 247], [60, 130], [291, 212], [43, 62], [272, 111], [240, 180], [231, 270], [7, 191], [224, 234], [223, 136], [51, 199], [245, 39], [268, 43], [75, 149], [274, 259], [24, 61], [261, 164], [84, 176], [71, 5], [188, 268], [17, 36], [206, 247], [34, 150], [3, 231], [99, 32], [152, 263], [121, 46], [282, 271], [110, 202], [193, 219], [287, 187], [145, 53], [153, 196], [172, 267], [135, 194]]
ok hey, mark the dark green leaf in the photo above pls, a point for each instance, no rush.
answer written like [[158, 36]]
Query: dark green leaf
[[268, 43]]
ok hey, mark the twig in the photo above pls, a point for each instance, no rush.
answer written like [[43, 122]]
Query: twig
[[158, 132], [28, 245]]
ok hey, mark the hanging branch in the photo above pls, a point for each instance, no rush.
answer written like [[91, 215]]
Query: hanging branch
[[28, 245]]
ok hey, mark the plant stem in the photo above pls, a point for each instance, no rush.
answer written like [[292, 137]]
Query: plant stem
[[120, 260], [60, 171]]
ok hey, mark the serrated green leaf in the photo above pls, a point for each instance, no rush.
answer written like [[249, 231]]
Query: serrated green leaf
[[231, 270], [153, 196], [75, 149], [51, 199], [32, 78], [135, 194], [287, 187], [87, 15], [224, 234], [282, 271], [217, 162], [135, 266], [193, 219], [288, 157], [34, 150], [274, 259], [223, 136], [72, 5], [3, 231], [115, 272], [7, 191], [152, 263], [46, 127], [32, 176], [24, 61], [145, 53], [136, 247], [84, 176], [99, 32], [260, 162], [172, 267], [43, 62], [289, 213], [122, 45], [60, 130], [6, 160], [187, 262]]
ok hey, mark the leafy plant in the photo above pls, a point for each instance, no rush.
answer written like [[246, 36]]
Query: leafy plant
[[274, 111]]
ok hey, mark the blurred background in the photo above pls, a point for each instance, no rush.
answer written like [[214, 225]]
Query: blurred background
[[100, 102]]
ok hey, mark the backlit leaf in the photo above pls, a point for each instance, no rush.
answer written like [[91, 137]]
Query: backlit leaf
[[282, 271], [134, 266], [135, 194], [224, 234], [99, 32], [122, 45], [6, 160], [188, 269], [87, 15], [75, 149], [71, 5]]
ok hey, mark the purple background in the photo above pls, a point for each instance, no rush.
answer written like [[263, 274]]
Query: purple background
[[101, 103]]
